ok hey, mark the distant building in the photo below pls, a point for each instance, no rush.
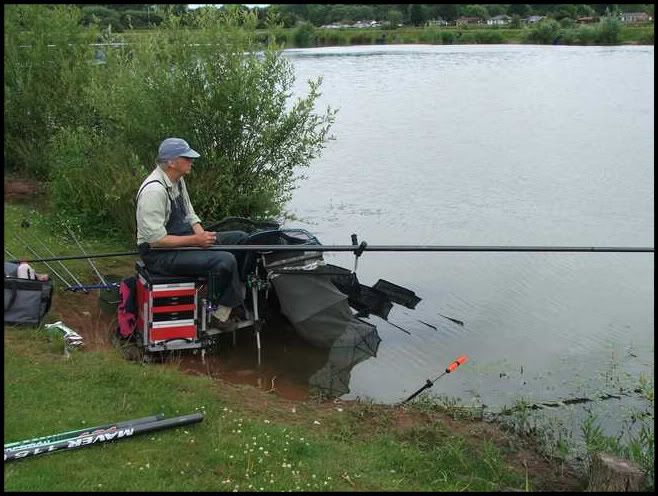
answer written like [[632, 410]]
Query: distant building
[[366, 24], [335, 25], [467, 20], [499, 20], [635, 17], [439, 21], [533, 19], [587, 20]]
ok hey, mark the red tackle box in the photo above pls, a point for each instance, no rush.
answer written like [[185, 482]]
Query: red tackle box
[[167, 307]]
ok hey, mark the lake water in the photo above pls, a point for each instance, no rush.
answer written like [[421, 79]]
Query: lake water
[[490, 145]]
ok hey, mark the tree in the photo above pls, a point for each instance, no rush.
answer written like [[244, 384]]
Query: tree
[[475, 11], [565, 10], [520, 9], [585, 11], [415, 14], [394, 17], [496, 9], [317, 14], [210, 84], [449, 12]]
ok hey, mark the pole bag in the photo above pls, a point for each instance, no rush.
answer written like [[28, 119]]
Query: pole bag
[[27, 301]]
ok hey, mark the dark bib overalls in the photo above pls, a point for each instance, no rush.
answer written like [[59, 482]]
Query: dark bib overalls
[[198, 263]]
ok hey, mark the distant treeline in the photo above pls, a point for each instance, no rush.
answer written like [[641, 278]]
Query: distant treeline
[[122, 17]]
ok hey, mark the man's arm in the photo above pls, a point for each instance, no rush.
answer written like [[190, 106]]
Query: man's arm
[[198, 228], [203, 239]]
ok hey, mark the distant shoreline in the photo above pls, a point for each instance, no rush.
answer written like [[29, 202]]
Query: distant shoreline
[[450, 35]]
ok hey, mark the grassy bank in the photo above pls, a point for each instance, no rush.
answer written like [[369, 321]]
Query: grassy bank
[[250, 439]]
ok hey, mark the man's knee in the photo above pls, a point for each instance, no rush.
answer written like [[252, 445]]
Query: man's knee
[[224, 261]]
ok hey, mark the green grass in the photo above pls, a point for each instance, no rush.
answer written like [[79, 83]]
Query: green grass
[[236, 445]]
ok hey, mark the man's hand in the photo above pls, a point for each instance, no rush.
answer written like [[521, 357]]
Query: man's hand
[[205, 239]]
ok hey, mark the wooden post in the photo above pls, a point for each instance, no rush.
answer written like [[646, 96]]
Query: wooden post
[[610, 473]]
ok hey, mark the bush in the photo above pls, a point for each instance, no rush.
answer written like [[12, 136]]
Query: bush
[[447, 37], [587, 35], [607, 32], [546, 33], [430, 35], [304, 35], [227, 100], [93, 181], [329, 37], [570, 37], [360, 38], [488, 37], [646, 39], [43, 84]]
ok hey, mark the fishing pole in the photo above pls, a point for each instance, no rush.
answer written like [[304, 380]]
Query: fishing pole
[[429, 383], [25, 224], [93, 266], [40, 441], [104, 435], [37, 255], [373, 248], [9, 253]]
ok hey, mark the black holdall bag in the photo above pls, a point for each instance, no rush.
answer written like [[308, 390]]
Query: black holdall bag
[[26, 300]]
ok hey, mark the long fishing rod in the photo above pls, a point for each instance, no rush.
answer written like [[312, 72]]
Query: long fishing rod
[[365, 247], [102, 436]]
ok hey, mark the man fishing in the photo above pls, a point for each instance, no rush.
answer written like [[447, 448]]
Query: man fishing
[[166, 219]]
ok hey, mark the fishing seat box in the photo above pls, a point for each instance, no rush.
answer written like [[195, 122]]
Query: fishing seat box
[[167, 307]]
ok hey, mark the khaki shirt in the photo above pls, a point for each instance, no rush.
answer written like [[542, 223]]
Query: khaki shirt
[[154, 206]]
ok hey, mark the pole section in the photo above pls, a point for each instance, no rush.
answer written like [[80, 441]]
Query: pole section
[[373, 248], [37, 441], [104, 436]]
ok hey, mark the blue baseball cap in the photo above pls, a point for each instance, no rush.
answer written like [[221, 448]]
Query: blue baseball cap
[[175, 147]]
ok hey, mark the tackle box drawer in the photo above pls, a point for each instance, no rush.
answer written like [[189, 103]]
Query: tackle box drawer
[[167, 301], [178, 329], [169, 316]]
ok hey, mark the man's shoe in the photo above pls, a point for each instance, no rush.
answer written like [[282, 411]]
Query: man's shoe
[[239, 313], [226, 326], [222, 313]]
